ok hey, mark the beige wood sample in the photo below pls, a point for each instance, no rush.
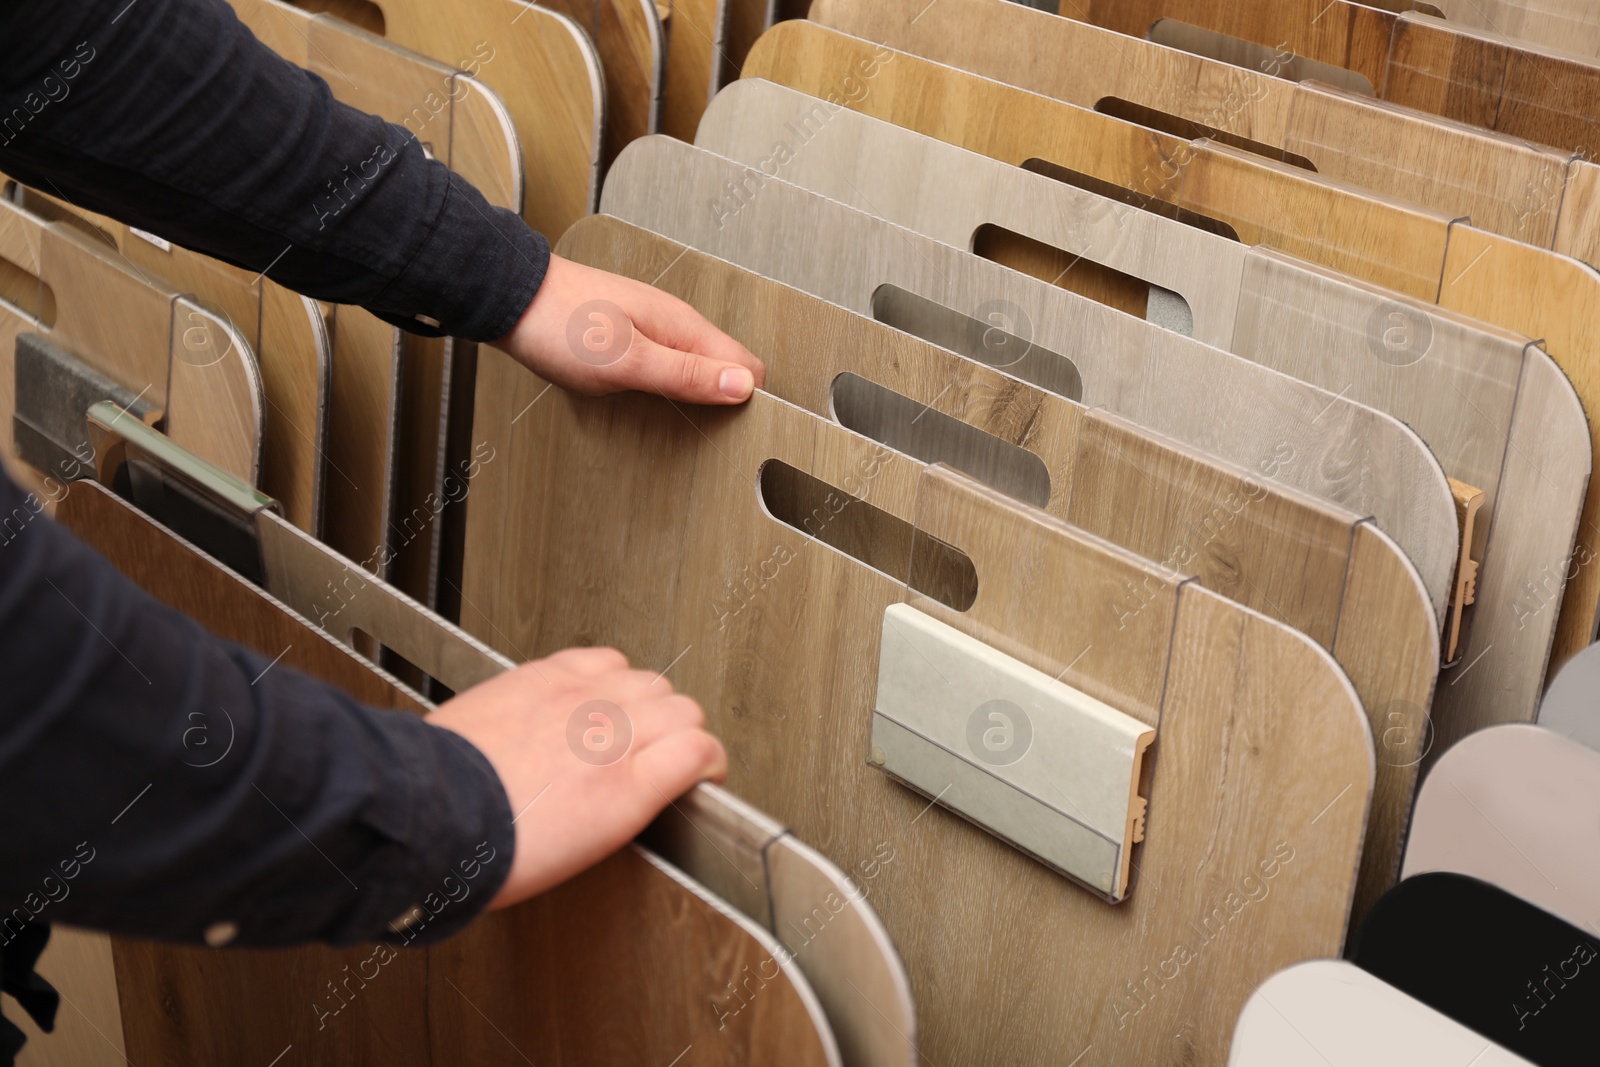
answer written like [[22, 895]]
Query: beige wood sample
[[747, 21], [1330, 1013], [1312, 565], [1495, 410], [1217, 403], [632, 45], [1406, 57], [1529, 291], [198, 1005], [546, 72], [187, 362], [88, 1031], [1567, 26], [786, 680], [1504, 185], [696, 49], [1519, 807]]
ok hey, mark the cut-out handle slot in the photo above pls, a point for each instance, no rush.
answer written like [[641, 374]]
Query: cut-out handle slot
[[901, 423], [1151, 196], [1190, 130], [1237, 52], [361, 13], [26, 293], [868, 534], [1000, 338]]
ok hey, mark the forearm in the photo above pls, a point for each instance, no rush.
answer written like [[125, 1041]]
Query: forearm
[[170, 115], [159, 782]]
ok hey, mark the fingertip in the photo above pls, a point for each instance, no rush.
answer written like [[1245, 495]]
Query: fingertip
[[736, 383]]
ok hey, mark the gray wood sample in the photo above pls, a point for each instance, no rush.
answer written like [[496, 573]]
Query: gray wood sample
[[1571, 705], [1494, 408], [1212, 401]]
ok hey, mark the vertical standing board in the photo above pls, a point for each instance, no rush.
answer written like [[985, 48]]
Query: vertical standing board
[[1496, 410], [1569, 707], [747, 21], [187, 363], [1329, 1013], [1519, 288], [543, 67], [696, 49], [1409, 58], [1239, 411], [1516, 806], [1504, 185], [196, 1005], [1323, 570], [632, 45], [610, 491], [1555, 25]]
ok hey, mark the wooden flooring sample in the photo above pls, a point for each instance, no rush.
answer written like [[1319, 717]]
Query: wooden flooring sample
[[1528, 291], [1115, 361], [1489, 960], [776, 633], [1569, 707], [1321, 569], [632, 44], [1565, 26], [183, 360], [696, 54], [1515, 806], [1505, 186], [544, 68], [1495, 410], [1329, 1013], [194, 1005]]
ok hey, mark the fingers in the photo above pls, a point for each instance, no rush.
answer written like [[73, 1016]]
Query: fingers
[[685, 376], [675, 764], [673, 323], [656, 719], [585, 661]]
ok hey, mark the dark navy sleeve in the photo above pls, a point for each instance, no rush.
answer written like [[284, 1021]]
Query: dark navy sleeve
[[171, 116], [295, 815]]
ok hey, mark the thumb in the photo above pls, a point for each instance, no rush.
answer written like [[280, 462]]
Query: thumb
[[686, 376]]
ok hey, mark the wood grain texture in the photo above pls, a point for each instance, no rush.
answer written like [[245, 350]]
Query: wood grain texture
[[696, 34], [1316, 567], [1500, 290], [1259, 420], [1555, 25], [786, 680], [363, 437], [193, 1005], [1413, 59], [632, 46], [1504, 185], [88, 1031], [1514, 806], [1495, 410], [747, 21], [1329, 1012], [547, 73], [137, 331]]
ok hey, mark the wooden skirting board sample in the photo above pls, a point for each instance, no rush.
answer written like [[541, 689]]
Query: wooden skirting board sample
[[1489, 960], [186, 362], [795, 236], [1503, 185], [1569, 707], [1329, 1013], [1495, 410], [1525, 290], [696, 46], [1555, 25], [1321, 569], [1409, 58], [1516, 806], [787, 677], [633, 55], [545, 70], [195, 1005]]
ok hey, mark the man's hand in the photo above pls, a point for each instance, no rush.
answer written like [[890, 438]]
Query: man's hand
[[589, 752], [596, 333]]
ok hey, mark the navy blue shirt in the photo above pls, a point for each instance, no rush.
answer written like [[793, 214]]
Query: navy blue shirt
[[328, 820]]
